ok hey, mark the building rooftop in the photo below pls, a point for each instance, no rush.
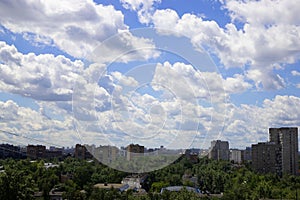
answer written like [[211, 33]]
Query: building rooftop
[[178, 188], [121, 187]]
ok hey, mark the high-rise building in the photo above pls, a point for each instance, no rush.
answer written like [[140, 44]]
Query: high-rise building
[[236, 156], [11, 151], [219, 150], [247, 155], [265, 157], [36, 151], [280, 155], [81, 152], [287, 137]]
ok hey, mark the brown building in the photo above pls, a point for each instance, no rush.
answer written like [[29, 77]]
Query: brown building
[[81, 152], [134, 150], [287, 138], [36, 151], [55, 153]]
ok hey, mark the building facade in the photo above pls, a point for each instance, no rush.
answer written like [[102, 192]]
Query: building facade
[[287, 138], [11, 151], [36, 151], [236, 156], [265, 157], [81, 152], [219, 150], [247, 155], [280, 155]]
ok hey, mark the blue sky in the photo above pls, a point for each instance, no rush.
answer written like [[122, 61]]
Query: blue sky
[[105, 72]]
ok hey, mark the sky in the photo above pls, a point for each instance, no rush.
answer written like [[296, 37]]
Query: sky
[[175, 73]]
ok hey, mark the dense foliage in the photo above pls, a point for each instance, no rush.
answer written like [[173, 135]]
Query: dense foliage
[[22, 178]]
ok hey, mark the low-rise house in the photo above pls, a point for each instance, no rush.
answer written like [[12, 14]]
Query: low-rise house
[[118, 186], [178, 188], [135, 181]]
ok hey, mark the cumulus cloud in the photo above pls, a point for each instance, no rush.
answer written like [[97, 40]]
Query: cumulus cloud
[[263, 42], [188, 83], [182, 101], [43, 77], [266, 79], [34, 126], [244, 124], [249, 123], [144, 8], [76, 27], [254, 12], [295, 73], [124, 47]]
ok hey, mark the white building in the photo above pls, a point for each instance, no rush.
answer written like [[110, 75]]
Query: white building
[[236, 156]]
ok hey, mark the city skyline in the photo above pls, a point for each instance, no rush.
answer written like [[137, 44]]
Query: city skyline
[[155, 73], [279, 155], [213, 143]]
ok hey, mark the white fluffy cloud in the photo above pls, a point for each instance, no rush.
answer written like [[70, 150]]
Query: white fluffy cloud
[[268, 37], [188, 83], [183, 109], [266, 79], [76, 27], [295, 73], [250, 123], [43, 77], [243, 125], [254, 12], [31, 126], [144, 8], [182, 102]]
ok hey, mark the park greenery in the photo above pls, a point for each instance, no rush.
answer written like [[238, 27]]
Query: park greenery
[[21, 179]]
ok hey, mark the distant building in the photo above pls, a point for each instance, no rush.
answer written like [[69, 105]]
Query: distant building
[[106, 154], [40, 151], [11, 151], [236, 156], [179, 188], [54, 152], [265, 157], [134, 150], [246, 155], [68, 151], [219, 150], [81, 152], [287, 137], [108, 186], [36, 151]]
